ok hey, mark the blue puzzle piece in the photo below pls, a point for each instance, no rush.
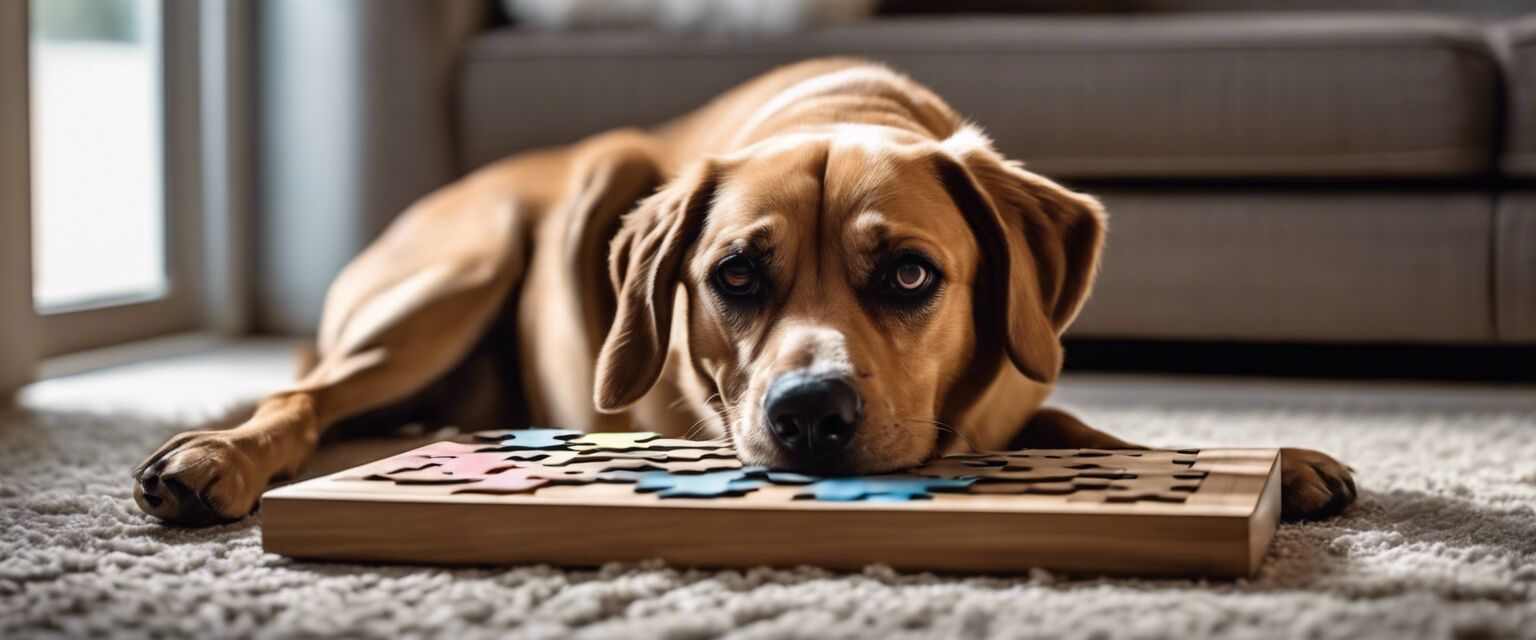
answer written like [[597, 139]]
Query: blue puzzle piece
[[778, 477], [889, 488], [713, 484], [522, 439]]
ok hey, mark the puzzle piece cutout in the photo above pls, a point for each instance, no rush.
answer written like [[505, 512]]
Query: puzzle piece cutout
[[381, 469], [1109, 475], [1172, 487], [884, 488], [527, 479], [530, 438], [713, 484], [636, 441], [1149, 459], [1015, 472], [1062, 488]]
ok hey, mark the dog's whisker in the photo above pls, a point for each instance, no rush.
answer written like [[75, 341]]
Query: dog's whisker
[[945, 427], [695, 428], [679, 402], [698, 426]]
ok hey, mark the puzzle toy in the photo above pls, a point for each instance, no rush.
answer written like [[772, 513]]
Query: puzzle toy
[[563, 497]]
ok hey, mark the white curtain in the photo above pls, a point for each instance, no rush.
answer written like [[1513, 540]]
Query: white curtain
[[18, 344]]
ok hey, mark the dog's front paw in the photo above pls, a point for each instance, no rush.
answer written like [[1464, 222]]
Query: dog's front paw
[[198, 479], [1313, 485]]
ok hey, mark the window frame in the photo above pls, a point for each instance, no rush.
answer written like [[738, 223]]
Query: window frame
[[17, 322], [111, 321], [206, 74]]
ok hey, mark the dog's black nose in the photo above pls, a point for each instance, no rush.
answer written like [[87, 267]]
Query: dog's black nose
[[813, 413]]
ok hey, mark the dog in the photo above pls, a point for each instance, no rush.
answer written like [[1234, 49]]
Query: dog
[[826, 265]]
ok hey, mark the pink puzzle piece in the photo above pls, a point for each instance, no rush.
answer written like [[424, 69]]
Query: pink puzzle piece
[[413, 460], [508, 482], [468, 466]]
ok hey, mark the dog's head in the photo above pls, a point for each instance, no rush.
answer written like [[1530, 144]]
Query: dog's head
[[847, 293]]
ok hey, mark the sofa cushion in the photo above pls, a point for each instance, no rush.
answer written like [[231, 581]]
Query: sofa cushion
[[1302, 265], [1191, 96], [1514, 253], [1519, 39]]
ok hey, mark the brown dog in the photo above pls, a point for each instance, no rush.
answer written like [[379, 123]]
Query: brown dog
[[865, 284]]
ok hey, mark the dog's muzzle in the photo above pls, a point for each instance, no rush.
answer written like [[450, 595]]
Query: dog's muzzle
[[813, 416]]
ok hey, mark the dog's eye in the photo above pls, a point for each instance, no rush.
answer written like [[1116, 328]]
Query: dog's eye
[[736, 276], [910, 275]]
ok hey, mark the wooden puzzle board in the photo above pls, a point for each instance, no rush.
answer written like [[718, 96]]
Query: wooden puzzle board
[[560, 497]]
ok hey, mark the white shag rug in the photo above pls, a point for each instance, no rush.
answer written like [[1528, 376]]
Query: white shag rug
[[1442, 543]]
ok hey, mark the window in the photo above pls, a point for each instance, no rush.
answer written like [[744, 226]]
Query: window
[[118, 167], [98, 169]]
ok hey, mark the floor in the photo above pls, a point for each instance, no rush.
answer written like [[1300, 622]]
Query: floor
[[1442, 543]]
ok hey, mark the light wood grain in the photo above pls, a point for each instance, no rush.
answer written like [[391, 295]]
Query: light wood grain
[[1223, 530]]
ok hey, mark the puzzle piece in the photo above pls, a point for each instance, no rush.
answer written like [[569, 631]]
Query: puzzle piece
[[621, 441], [543, 457], [508, 482], [635, 441], [415, 459], [714, 484], [674, 443], [779, 477], [620, 476], [528, 479], [594, 456], [701, 466], [956, 467], [530, 438], [699, 454], [475, 466], [886, 488], [379, 470], [596, 466], [467, 467], [547, 458]]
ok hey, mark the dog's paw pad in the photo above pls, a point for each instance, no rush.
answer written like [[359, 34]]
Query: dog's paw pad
[[197, 479], [1314, 485]]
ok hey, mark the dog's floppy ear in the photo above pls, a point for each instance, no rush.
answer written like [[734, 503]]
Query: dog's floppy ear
[[1039, 242], [646, 264]]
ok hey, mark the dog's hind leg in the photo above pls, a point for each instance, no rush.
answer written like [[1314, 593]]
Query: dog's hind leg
[[402, 315]]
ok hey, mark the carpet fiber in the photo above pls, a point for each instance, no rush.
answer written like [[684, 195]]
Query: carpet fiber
[[1442, 543]]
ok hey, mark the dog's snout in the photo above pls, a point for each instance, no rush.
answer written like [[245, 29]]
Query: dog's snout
[[813, 414]]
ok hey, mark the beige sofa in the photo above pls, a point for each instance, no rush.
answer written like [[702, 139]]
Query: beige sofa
[[1310, 176]]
